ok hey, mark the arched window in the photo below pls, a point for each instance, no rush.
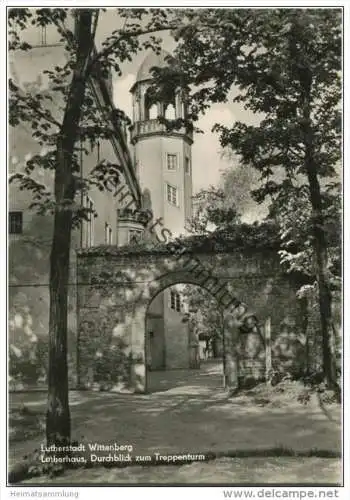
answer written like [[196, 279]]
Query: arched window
[[153, 112], [170, 112], [151, 108]]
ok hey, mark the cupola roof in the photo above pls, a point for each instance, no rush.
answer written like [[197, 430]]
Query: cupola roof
[[151, 61]]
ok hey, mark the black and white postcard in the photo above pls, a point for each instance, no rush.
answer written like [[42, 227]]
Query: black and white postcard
[[175, 249]]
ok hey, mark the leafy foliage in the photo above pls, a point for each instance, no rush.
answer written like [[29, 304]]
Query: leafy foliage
[[268, 55], [205, 316], [223, 206], [261, 237], [293, 212], [213, 210]]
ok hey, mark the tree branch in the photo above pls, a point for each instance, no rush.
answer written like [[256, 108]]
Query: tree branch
[[95, 23], [124, 36], [34, 107]]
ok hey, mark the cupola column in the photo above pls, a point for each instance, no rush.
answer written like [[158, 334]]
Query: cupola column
[[160, 108]]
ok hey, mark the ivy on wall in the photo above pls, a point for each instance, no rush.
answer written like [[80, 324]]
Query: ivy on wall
[[105, 355], [243, 237], [28, 365]]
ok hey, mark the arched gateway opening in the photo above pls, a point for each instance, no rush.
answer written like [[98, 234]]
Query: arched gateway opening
[[117, 285], [184, 341]]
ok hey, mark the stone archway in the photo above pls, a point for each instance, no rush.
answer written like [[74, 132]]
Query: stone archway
[[116, 285], [172, 346]]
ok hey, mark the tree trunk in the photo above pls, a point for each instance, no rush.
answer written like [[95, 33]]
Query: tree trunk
[[58, 415], [319, 240], [268, 350], [325, 298], [304, 306]]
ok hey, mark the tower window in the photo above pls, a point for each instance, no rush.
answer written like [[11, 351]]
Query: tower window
[[187, 166], [153, 112], [151, 108], [175, 300], [170, 112], [96, 146], [135, 235], [172, 195], [171, 161], [15, 222], [42, 34]]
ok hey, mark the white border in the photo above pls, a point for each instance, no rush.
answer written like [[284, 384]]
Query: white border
[[204, 492]]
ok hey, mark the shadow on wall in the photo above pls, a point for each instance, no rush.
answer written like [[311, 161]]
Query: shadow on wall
[[28, 364], [289, 349], [104, 357], [28, 316]]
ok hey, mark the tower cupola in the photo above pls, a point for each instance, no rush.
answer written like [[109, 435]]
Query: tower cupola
[[146, 111]]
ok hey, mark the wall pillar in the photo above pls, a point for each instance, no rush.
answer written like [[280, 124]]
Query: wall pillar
[[230, 355], [160, 108], [252, 358], [138, 361], [231, 371], [142, 104]]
